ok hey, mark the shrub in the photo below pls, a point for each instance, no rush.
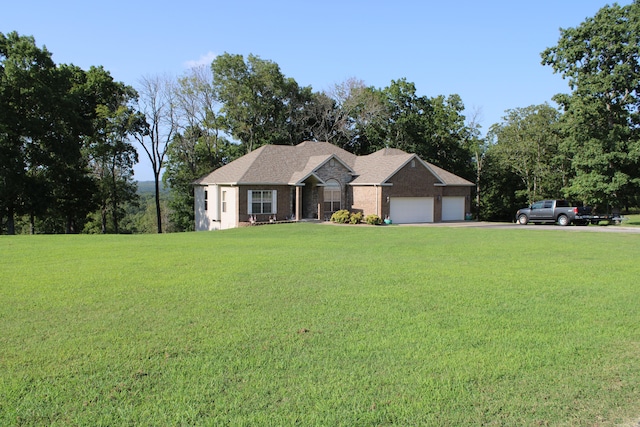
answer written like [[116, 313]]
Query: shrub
[[355, 218], [373, 219], [341, 216]]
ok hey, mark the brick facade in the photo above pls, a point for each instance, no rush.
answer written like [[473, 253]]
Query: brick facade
[[283, 202], [313, 195], [368, 184], [367, 199]]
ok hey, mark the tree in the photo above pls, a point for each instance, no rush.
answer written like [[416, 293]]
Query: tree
[[502, 189], [526, 143], [478, 147], [113, 159], [25, 78], [408, 117], [601, 60], [70, 114], [259, 104], [111, 154], [359, 113], [46, 119], [197, 107], [321, 116], [157, 103], [199, 146], [56, 121], [447, 136]]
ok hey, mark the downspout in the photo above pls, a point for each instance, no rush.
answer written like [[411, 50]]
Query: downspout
[[377, 200]]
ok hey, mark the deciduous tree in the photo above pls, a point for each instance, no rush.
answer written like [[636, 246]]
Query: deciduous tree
[[25, 79], [526, 143], [260, 105], [601, 60], [198, 147], [157, 103]]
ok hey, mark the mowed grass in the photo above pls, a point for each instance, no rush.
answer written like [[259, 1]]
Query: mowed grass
[[302, 324]]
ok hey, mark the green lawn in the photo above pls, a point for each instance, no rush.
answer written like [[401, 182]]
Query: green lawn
[[301, 324], [631, 220]]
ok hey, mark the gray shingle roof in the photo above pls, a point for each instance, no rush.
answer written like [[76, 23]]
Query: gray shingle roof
[[283, 165]]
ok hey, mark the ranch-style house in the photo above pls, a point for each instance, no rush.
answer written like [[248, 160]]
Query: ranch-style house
[[312, 180]]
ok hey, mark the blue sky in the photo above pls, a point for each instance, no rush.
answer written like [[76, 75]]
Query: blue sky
[[487, 52]]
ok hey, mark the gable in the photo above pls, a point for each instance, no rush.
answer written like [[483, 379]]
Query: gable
[[414, 178], [321, 167]]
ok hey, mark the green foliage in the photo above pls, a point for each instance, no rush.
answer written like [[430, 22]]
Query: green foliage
[[341, 217], [503, 192], [370, 119], [138, 330], [355, 217], [144, 219], [527, 144], [63, 140], [373, 219], [259, 104], [198, 148], [112, 156], [601, 124]]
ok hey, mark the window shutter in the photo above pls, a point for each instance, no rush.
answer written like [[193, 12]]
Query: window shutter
[[274, 200], [249, 202]]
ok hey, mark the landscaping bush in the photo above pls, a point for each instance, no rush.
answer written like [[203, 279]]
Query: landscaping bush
[[355, 218], [341, 216], [373, 219]]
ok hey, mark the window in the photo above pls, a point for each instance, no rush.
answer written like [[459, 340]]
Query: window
[[537, 205], [262, 201], [206, 199], [224, 201], [331, 197]]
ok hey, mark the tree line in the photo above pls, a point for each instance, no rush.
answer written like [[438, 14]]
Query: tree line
[[588, 149], [68, 137]]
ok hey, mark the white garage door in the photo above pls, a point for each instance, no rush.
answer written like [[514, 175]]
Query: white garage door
[[407, 210], [453, 208]]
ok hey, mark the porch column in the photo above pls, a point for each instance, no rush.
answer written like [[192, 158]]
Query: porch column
[[298, 203], [320, 203]]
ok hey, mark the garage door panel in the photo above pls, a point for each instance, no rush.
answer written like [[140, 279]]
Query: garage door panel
[[453, 208], [407, 210]]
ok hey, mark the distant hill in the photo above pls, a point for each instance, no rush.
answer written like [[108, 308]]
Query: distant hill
[[148, 187]]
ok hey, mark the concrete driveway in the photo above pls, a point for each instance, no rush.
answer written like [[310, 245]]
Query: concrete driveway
[[508, 225]]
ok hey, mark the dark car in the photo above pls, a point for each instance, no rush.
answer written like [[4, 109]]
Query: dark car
[[560, 211]]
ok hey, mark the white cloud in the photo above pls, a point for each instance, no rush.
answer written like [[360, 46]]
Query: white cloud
[[205, 59]]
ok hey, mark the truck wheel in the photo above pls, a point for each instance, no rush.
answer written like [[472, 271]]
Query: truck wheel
[[563, 220], [523, 220]]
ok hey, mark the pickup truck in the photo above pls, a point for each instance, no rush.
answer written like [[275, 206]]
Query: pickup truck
[[559, 211]]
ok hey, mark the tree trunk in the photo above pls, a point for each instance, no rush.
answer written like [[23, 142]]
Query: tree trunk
[[11, 224], [114, 207], [103, 219], [114, 212], [478, 176], [114, 197], [158, 213]]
